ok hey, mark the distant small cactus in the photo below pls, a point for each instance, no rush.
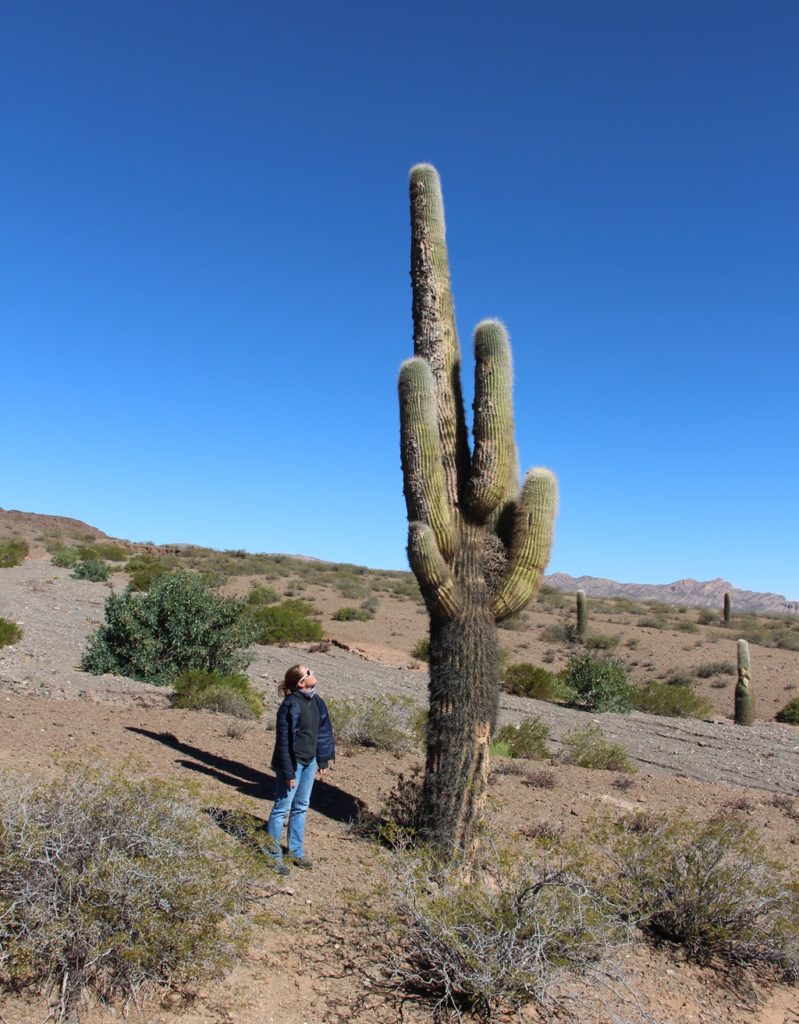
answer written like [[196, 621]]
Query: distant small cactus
[[582, 616], [727, 606], [744, 705]]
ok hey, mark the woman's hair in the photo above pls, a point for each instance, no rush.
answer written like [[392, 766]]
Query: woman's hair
[[292, 677]]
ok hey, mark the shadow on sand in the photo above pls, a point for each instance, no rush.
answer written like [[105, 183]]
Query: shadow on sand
[[326, 799]]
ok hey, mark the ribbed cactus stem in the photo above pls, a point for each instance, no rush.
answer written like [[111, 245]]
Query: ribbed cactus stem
[[531, 542], [422, 468], [435, 336], [495, 465], [582, 616], [727, 608], [744, 705]]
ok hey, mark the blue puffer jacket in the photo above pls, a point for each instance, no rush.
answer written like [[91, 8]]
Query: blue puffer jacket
[[287, 726]]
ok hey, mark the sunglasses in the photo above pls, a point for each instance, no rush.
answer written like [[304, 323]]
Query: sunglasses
[[308, 674]]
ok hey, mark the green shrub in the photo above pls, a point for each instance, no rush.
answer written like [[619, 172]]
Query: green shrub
[[706, 617], [114, 885], [716, 668], [526, 740], [790, 713], [110, 552], [91, 569], [598, 683], [686, 626], [65, 558], [421, 649], [144, 574], [211, 691], [525, 680], [499, 748], [588, 748], [10, 633], [383, 722], [262, 595], [601, 641], [349, 614], [12, 552], [710, 887], [180, 624], [673, 701], [288, 622], [523, 932]]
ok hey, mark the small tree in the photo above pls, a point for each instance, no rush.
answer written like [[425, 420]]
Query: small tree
[[478, 544], [179, 624]]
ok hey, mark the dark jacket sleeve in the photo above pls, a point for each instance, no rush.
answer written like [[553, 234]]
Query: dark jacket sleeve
[[282, 757], [325, 745]]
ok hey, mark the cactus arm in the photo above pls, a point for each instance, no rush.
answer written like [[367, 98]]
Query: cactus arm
[[531, 542], [420, 448], [434, 333], [495, 474], [438, 585]]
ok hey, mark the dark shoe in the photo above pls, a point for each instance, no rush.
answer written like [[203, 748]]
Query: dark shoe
[[281, 869], [301, 862]]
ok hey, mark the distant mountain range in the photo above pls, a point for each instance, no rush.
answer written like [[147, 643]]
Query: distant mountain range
[[709, 594], [35, 527]]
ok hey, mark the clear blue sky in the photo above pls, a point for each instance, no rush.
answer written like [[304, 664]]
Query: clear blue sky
[[204, 267]]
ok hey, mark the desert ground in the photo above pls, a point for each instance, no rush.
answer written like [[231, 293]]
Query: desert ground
[[53, 712]]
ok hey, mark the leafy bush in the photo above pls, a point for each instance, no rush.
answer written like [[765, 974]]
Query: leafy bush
[[113, 885], [588, 748], [262, 595], [672, 701], [499, 748], [716, 668], [790, 713], [527, 740], [91, 569], [601, 641], [288, 622], [211, 691], [349, 614], [421, 649], [180, 624], [144, 570], [706, 617], [10, 633], [598, 683], [12, 552], [65, 558], [383, 722], [525, 680], [711, 887], [110, 552], [518, 934]]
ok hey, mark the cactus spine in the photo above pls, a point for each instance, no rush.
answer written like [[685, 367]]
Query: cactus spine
[[744, 705], [582, 616], [477, 542], [727, 607]]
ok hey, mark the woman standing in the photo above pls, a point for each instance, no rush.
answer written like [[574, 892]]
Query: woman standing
[[303, 745]]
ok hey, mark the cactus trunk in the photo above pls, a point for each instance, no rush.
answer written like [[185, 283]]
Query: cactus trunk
[[478, 543], [744, 705], [727, 608]]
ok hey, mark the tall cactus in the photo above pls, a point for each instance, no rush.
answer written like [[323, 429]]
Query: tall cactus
[[582, 616], [727, 607], [477, 542], [744, 704]]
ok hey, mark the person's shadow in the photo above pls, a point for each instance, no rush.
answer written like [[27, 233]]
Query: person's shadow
[[326, 798]]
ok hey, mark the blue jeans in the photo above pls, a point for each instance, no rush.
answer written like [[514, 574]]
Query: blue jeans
[[294, 803]]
